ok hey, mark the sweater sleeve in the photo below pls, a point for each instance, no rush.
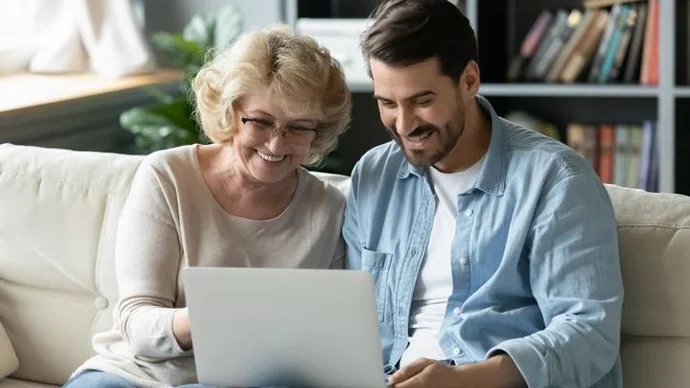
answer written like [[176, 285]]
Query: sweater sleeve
[[147, 254]]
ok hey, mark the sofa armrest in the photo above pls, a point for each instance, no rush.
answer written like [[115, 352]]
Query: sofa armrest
[[8, 359]]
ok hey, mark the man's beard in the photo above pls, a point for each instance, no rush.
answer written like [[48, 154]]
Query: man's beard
[[448, 138]]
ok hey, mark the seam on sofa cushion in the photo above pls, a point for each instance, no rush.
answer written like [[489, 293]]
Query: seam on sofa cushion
[[105, 190], [97, 264]]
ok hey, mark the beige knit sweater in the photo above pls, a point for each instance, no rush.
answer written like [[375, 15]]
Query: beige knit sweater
[[170, 221]]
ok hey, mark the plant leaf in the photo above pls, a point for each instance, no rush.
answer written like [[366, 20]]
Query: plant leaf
[[157, 127], [178, 112], [142, 116], [178, 50], [200, 30], [229, 24], [158, 94]]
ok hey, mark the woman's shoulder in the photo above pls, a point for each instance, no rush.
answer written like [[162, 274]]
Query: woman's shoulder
[[166, 169], [171, 157]]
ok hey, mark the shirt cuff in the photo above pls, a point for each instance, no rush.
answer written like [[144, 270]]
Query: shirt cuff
[[530, 361], [175, 349]]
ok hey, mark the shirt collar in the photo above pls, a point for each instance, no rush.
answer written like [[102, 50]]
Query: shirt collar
[[491, 178]]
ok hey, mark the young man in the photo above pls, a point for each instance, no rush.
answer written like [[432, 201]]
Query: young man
[[494, 248]]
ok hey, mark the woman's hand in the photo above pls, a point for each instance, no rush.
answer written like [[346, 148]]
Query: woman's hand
[[182, 329]]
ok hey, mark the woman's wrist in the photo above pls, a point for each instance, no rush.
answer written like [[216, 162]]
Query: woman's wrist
[[182, 329]]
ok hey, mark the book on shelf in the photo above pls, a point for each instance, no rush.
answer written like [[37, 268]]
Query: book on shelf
[[533, 122], [607, 42], [606, 3], [564, 30], [529, 44], [621, 154], [649, 72], [635, 54], [574, 63], [566, 52]]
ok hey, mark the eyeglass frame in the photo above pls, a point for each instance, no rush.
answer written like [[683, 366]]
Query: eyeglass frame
[[276, 129]]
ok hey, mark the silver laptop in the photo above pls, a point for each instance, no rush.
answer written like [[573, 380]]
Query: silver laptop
[[255, 327]]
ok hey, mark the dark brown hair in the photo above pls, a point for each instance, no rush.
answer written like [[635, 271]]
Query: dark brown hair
[[406, 32]]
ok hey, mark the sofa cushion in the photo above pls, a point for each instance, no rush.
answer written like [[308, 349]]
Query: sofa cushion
[[58, 217], [16, 383], [8, 359], [654, 240]]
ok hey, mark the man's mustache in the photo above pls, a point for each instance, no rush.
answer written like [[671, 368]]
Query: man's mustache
[[419, 131]]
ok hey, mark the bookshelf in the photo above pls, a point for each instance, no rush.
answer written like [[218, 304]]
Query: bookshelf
[[501, 26], [563, 103]]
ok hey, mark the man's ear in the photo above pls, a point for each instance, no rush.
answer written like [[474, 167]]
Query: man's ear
[[469, 79]]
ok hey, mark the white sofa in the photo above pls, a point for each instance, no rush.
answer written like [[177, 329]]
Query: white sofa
[[58, 218]]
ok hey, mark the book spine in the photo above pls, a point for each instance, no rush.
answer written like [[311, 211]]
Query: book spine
[[632, 69], [583, 55], [612, 49], [623, 49], [604, 43]]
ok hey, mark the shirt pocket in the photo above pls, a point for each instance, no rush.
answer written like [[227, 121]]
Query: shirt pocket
[[377, 264]]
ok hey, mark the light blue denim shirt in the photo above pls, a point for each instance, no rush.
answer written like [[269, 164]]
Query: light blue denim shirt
[[535, 259]]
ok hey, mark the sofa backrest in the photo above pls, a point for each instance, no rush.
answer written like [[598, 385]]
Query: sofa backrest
[[58, 215], [58, 218], [654, 241]]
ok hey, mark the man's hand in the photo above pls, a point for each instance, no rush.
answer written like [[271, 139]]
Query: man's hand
[[497, 371], [425, 373]]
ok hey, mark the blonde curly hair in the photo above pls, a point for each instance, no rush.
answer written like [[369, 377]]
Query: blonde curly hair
[[303, 76]]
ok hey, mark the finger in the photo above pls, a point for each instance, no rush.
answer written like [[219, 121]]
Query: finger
[[412, 369], [413, 382], [420, 380]]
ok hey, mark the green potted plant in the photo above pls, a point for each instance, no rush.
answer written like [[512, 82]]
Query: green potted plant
[[169, 121]]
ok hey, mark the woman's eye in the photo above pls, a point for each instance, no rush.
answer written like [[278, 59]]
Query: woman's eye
[[263, 124]]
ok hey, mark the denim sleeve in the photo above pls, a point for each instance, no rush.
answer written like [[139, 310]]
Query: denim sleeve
[[351, 233], [576, 280]]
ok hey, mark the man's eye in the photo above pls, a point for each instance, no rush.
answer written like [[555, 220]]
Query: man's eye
[[424, 102], [387, 104]]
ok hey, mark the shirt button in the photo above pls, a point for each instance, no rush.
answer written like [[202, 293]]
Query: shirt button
[[456, 311], [469, 212], [413, 252], [456, 351], [463, 261]]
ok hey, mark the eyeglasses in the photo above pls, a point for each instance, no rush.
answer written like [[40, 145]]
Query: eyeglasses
[[264, 129]]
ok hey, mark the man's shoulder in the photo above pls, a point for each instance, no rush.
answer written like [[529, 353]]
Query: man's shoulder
[[528, 148], [382, 161]]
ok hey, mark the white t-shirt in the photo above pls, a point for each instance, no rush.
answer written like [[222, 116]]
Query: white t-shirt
[[435, 282]]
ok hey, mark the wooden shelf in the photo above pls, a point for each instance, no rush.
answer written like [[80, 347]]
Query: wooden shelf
[[561, 90], [682, 91], [546, 90], [28, 91]]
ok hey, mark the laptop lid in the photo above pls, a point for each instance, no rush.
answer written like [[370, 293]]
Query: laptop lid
[[255, 327]]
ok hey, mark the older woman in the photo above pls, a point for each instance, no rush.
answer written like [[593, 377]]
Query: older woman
[[271, 103]]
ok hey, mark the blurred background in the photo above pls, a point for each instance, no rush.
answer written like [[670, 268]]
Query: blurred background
[[610, 78]]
